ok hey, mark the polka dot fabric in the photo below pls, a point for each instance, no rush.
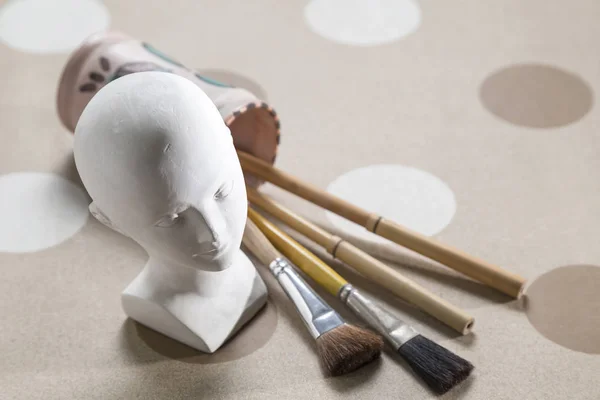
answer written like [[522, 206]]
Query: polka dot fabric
[[363, 22], [409, 196], [39, 211], [42, 27], [537, 96], [471, 122]]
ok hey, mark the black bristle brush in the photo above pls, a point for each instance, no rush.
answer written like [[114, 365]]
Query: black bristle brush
[[440, 368]]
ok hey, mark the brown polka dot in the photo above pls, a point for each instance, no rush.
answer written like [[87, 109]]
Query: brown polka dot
[[564, 306], [250, 338], [235, 80], [536, 96]]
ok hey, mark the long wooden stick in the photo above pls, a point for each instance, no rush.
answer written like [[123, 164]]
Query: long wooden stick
[[480, 270], [370, 267]]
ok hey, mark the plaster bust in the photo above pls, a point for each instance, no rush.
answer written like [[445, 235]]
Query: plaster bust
[[159, 164]]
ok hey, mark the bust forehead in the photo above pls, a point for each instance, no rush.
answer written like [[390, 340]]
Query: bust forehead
[[145, 133], [148, 106]]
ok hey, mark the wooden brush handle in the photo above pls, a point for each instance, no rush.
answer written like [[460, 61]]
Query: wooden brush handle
[[302, 189], [310, 264], [294, 221], [494, 276], [258, 244], [368, 266], [482, 271], [404, 288]]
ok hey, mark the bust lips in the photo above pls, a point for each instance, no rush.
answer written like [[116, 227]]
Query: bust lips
[[214, 253]]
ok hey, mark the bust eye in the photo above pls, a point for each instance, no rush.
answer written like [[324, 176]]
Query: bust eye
[[168, 221], [224, 190]]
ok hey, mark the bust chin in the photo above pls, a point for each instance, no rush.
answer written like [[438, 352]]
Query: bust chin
[[159, 163]]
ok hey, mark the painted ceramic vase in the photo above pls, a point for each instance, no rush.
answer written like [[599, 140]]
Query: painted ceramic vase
[[107, 56]]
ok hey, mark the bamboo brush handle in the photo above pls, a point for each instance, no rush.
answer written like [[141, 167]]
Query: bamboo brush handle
[[482, 271], [305, 190], [259, 245], [491, 275], [299, 256], [369, 266], [293, 220], [404, 288]]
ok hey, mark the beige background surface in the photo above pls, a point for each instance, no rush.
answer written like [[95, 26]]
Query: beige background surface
[[527, 199]]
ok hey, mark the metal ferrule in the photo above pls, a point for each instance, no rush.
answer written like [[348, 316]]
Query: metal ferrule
[[317, 315], [396, 332]]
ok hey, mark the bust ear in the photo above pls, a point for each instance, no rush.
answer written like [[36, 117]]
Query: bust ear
[[100, 216]]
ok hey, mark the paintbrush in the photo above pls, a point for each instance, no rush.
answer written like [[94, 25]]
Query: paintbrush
[[439, 368], [342, 347], [480, 270], [368, 266]]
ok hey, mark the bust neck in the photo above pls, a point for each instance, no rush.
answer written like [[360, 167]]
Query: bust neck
[[171, 278], [199, 308]]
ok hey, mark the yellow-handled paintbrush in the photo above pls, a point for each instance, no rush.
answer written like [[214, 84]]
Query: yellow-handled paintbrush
[[438, 367], [342, 347]]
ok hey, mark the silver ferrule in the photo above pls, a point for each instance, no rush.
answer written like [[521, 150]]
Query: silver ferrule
[[395, 331], [317, 315]]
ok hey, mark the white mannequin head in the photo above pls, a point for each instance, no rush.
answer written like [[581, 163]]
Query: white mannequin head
[[159, 163]]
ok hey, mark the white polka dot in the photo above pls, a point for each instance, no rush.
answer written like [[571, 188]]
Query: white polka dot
[[50, 26], [38, 211], [363, 22], [409, 196]]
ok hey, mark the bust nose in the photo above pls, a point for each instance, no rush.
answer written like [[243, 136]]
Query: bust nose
[[216, 240], [213, 227]]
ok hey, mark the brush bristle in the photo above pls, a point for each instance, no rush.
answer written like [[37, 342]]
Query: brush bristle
[[346, 348], [437, 366]]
